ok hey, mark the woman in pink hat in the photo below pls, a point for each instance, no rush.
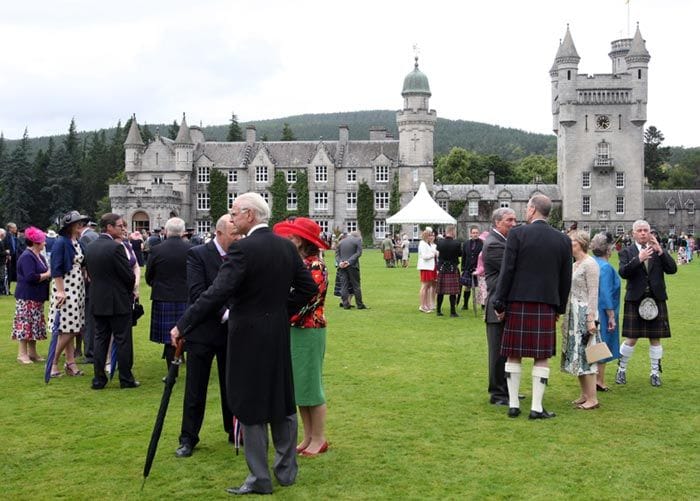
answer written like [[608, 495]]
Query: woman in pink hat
[[308, 336], [31, 293]]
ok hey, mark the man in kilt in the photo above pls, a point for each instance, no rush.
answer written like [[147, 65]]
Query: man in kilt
[[448, 270], [166, 273], [643, 264], [532, 291]]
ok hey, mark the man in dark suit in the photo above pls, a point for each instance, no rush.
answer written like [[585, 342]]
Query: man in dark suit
[[470, 255], [111, 301], [349, 251], [263, 281], [207, 340], [532, 291], [87, 236], [494, 247], [166, 273], [644, 264]]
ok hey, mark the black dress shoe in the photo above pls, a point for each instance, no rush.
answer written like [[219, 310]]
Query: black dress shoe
[[513, 411], [453, 315], [184, 451], [243, 490], [130, 384], [362, 307], [499, 401], [541, 415], [438, 313], [98, 386]]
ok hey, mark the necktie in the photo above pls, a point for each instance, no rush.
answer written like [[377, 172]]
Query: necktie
[[646, 263]]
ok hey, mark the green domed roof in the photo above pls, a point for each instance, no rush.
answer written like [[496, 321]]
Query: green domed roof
[[416, 82]]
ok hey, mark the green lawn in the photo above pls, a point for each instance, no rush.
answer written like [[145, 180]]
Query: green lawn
[[408, 417]]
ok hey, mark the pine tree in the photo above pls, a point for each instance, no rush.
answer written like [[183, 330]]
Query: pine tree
[[96, 171], [287, 134], [172, 130], [279, 198], [116, 151], [655, 156], [301, 187], [39, 212], [15, 199], [218, 203], [146, 134], [57, 193], [73, 167], [365, 213], [234, 130]]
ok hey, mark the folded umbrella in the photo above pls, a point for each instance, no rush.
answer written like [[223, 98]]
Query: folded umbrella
[[160, 417], [52, 346], [113, 360]]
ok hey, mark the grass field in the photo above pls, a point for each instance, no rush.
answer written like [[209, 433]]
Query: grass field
[[408, 417]]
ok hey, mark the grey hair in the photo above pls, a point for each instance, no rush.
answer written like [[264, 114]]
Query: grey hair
[[255, 202], [450, 228], [174, 227], [638, 223], [500, 213], [582, 237], [222, 222], [599, 245], [542, 204]]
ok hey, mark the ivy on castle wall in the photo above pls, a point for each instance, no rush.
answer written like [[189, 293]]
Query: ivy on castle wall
[[302, 189], [218, 203], [365, 213], [395, 196], [279, 198]]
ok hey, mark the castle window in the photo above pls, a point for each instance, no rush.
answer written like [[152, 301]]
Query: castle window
[[158, 180], [291, 200], [473, 208], [321, 200], [381, 174], [203, 201], [639, 74], [619, 230], [351, 176], [379, 228], [156, 158], [232, 176], [381, 200], [321, 175], [619, 180], [351, 200], [586, 204], [261, 174], [231, 197], [443, 203], [203, 225], [672, 229], [691, 206], [619, 122], [620, 205], [323, 223], [266, 196], [351, 225], [568, 74], [586, 180], [291, 176], [671, 209], [203, 175]]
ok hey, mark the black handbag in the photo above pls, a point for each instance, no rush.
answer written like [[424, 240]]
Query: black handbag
[[136, 312]]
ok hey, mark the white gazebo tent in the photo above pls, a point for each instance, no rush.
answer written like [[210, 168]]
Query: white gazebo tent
[[421, 210]]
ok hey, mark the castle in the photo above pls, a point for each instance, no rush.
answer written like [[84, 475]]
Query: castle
[[598, 119]]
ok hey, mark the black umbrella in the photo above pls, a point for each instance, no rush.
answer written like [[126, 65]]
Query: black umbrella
[[160, 418]]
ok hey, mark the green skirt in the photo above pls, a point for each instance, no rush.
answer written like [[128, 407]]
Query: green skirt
[[308, 350]]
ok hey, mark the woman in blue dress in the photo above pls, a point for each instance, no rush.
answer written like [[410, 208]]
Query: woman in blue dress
[[608, 302]]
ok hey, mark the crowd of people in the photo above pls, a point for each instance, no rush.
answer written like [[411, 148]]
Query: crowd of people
[[253, 297]]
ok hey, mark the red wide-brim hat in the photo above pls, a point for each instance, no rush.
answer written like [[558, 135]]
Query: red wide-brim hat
[[301, 227]]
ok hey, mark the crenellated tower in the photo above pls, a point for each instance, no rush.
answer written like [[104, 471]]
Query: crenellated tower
[[599, 122]]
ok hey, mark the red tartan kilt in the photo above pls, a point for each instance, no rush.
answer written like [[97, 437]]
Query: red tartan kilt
[[448, 283], [634, 326], [529, 330]]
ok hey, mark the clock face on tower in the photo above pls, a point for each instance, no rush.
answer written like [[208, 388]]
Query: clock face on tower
[[602, 122]]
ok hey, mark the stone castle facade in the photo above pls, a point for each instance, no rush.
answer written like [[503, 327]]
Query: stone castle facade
[[598, 119]]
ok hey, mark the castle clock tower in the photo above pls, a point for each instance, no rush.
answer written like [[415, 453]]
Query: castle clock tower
[[599, 122]]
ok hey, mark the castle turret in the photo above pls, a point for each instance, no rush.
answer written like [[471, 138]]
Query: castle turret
[[564, 87], [184, 147], [133, 147], [637, 60]]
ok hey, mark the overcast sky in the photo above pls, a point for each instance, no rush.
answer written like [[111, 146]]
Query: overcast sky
[[487, 61]]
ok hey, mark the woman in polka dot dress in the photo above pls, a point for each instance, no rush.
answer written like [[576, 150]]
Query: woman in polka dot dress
[[67, 313]]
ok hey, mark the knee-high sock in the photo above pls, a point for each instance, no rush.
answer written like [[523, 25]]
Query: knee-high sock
[[626, 352], [540, 376], [453, 303], [440, 297], [655, 353], [513, 373]]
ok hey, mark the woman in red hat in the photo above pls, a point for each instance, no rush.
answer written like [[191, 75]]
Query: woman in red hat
[[308, 336]]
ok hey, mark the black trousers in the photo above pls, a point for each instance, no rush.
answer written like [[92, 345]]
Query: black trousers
[[199, 360], [498, 388], [351, 281], [118, 326], [89, 333]]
